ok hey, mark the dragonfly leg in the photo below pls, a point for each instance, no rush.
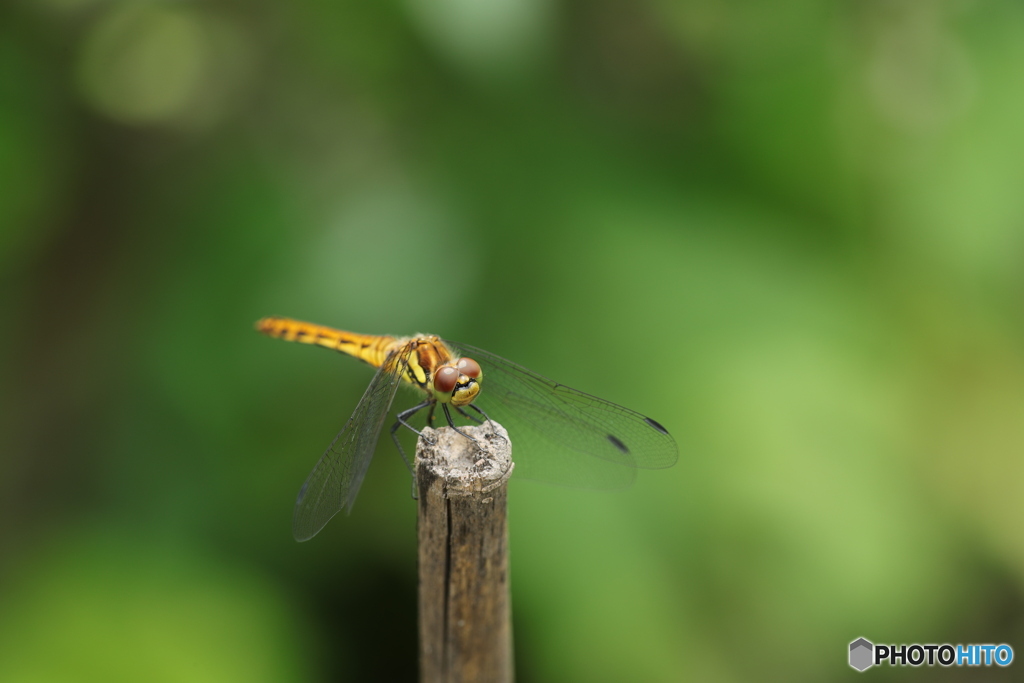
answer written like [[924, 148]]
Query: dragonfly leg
[[477, 409], [486, 417], [448, 415], [466, 415], [430, 415], [405, 414], [401, 422]]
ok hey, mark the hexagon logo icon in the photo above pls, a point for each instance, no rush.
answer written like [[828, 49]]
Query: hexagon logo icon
[[861, 654]]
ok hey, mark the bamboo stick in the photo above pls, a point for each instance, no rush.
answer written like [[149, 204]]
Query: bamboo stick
[[464, 608]]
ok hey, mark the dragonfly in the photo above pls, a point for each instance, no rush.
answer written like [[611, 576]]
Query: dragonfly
[[562, 435]]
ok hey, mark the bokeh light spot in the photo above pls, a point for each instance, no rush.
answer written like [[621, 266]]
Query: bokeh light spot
[[142, 63], [495, 37]]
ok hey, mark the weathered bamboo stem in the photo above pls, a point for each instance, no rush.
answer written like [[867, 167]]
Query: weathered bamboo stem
[[464, 609]]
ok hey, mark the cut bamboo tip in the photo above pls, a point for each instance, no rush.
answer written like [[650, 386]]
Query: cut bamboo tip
[[467, 468]]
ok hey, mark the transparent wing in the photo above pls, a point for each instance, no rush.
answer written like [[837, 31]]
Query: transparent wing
[[337, 476], [563, 435]]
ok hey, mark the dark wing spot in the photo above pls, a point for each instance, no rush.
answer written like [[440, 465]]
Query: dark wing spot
[[655, 425], [618, 444]]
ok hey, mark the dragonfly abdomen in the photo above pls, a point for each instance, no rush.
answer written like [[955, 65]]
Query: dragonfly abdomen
[[371, 348]]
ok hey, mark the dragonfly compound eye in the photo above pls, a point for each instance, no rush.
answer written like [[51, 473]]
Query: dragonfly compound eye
[[469, 367], [445, 379]]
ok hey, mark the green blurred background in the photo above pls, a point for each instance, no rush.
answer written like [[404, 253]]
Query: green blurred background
[[792, 232]]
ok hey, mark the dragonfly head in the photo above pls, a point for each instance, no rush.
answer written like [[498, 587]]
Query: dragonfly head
[[458, 383]]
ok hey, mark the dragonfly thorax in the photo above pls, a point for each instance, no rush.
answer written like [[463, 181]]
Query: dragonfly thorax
[[458, 382]]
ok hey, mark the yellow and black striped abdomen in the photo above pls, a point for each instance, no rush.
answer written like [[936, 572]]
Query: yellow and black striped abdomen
[[372, 348]]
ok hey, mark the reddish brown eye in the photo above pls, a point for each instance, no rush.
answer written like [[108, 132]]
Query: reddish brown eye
[[469, 367], [445, 379]]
